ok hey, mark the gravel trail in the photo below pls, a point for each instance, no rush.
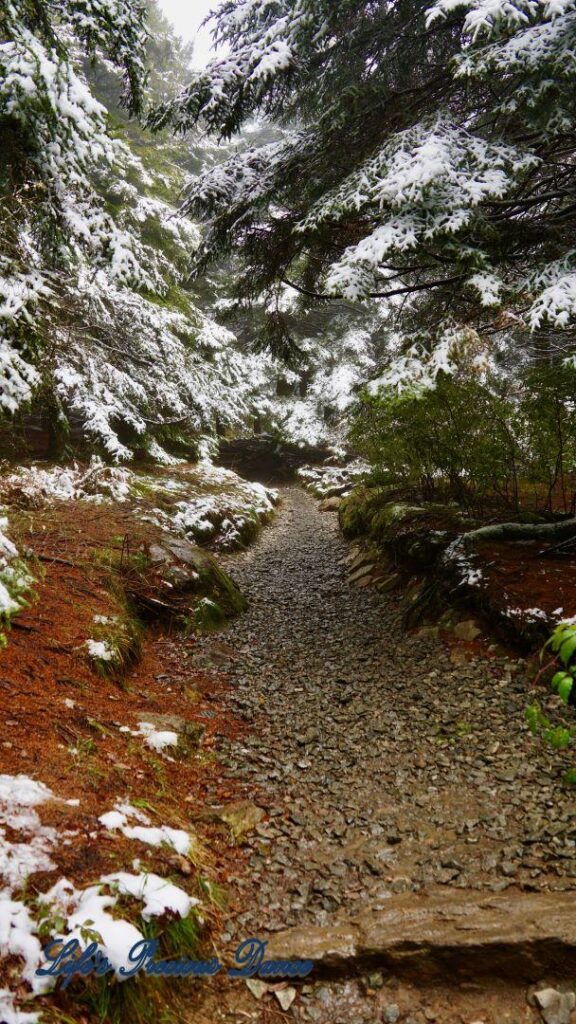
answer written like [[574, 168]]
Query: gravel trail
[[384, 766]]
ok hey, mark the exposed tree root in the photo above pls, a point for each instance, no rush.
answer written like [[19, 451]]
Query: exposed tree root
[[520, 531]]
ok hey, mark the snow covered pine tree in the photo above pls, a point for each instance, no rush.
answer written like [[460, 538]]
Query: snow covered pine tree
[[94, 321], [52, 134], [428, 153]]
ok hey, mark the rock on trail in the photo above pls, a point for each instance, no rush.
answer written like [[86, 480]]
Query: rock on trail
[[388, 772]]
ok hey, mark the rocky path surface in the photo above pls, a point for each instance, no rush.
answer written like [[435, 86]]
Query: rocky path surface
[[389, 767]]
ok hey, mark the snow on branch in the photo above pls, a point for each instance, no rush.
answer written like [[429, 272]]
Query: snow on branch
[[423, 184]]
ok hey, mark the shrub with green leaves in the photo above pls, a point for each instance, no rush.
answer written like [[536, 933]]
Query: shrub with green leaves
[[477, 438], [563, 682], [548, 413], [436, 440], [563, 643]]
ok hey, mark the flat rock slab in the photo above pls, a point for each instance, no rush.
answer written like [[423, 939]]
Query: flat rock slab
[[513, 935], [241, 816], [555, 1007], [330, 504]]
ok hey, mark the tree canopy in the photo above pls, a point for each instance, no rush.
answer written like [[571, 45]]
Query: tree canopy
[[427, 152], [410, 164], [96, 326]]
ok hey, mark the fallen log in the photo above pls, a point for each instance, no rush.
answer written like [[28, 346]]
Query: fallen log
[[519, 531]]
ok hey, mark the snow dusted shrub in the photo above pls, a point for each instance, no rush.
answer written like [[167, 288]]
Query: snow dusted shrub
[[115, 643], [33, 485], [230, 516], [15, 580]]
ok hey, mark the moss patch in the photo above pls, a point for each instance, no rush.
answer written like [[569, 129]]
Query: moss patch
[[416, 533]]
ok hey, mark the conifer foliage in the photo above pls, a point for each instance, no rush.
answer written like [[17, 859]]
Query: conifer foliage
[[95, 324], [428, 152], [52, 133]]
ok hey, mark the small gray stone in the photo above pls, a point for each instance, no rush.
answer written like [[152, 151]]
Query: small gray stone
[[391, 1014], [556, 1007], [375, 979], [507, 868], [323, 994]]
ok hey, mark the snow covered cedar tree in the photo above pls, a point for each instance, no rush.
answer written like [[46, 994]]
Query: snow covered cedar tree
[[96, 328], [52, 135], [428, 152]]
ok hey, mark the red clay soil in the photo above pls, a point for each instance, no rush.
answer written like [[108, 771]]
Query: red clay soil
[[61, 719], [518, 576]]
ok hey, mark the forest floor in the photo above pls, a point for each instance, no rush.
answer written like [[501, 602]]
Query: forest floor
[[366, 798]]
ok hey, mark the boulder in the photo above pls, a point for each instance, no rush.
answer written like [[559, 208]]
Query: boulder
[[175, 578], [330, 504], [241, 817], [359, 560], [467, 630], [556, 1007], [360, 574], [389, 583]]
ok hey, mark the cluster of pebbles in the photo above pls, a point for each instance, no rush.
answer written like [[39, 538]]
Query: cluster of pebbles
[[384, 764]]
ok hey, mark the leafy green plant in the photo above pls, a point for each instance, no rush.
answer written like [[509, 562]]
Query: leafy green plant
[[547, 409], [435, 441], [563, 645], [557, 736]]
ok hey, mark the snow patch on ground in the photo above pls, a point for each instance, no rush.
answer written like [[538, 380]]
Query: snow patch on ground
[[67, 483], [17, 938], [88, 909], [156, 739], [528, 614], [86, 912], [100, 650], [10, 1014], [19, 795], [468, 574], [158, 895], [160, 835]]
